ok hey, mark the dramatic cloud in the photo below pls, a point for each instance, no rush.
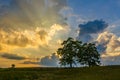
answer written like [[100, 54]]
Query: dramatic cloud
[[108, 45], [12, 56], [29, 14], [46, 61], [37, 27], [49, 61], [30, 24], [91, 27], [37, 37]]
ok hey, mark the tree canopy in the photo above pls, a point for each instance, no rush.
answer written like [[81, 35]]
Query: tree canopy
[[74, 52]]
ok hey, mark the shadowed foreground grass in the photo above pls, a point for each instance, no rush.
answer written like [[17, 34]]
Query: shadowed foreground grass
[[93, 73]]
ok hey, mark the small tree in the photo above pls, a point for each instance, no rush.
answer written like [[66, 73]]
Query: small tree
[[13, 66]]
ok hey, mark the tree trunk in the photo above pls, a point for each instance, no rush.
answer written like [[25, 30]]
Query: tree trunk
[[71, 65]]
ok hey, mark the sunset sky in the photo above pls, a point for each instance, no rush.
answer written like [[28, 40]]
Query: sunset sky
[[32, 30]]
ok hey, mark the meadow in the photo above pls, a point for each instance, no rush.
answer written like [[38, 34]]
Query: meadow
[[84, 73]]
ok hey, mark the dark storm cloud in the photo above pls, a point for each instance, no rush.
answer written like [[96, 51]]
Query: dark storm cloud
[[91, 27], [49, 61], [12, 56]]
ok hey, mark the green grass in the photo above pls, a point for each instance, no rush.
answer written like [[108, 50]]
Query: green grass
[[93, 73]]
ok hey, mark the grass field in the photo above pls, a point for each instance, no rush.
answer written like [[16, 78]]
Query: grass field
[[93, 73]]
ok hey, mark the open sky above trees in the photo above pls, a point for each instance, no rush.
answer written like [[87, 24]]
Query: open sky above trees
[[31, 30]]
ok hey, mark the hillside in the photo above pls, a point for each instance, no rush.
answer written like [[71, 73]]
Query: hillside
[[93, 73]]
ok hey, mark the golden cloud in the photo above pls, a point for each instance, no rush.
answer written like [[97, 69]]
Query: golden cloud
[[32, 27], [34, 38], [111, 42]]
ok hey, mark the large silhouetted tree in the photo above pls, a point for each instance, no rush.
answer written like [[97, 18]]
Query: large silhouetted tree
[[68, 52], [88, 55], [74, 51]]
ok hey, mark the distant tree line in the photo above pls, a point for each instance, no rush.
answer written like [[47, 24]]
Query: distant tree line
[[76, 52]]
